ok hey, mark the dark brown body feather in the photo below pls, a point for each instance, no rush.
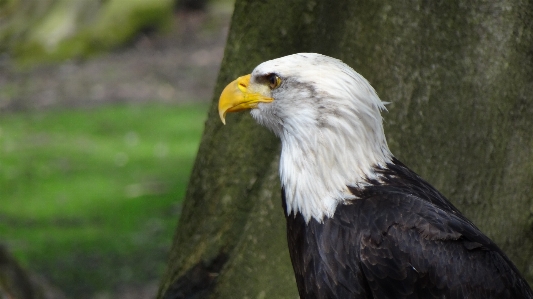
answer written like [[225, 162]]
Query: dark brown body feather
[[400, 239]]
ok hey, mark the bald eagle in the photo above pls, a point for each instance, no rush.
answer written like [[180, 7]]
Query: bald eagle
[[360, 224]]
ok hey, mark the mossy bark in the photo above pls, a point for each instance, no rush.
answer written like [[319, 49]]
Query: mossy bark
[[459, 77]]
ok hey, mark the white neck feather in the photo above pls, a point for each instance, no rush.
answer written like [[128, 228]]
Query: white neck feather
[[316, 170]]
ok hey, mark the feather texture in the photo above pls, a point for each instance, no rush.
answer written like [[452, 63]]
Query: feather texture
[[399, 239], [328, 119]]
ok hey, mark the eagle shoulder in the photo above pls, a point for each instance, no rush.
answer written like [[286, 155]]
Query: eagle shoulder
[[399, 238]]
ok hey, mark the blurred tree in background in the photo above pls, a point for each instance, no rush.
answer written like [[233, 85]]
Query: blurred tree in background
[[191, 4], [53, 30], [459, 76], [14, 281]]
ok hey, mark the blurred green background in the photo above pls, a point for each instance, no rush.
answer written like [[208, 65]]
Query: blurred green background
[[102, 106]]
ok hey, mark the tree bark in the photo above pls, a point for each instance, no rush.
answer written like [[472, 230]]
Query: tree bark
[[459, 77]]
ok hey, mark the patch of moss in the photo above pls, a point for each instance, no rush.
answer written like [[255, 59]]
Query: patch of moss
[[6, 7]]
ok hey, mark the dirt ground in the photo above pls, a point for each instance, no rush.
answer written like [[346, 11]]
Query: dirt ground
[[178, 66]]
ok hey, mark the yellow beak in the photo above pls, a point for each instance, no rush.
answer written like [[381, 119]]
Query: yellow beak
[[238, 96]]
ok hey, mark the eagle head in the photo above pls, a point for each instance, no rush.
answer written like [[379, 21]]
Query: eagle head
[[328, 118]]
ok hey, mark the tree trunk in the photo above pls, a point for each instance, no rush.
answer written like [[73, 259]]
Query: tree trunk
[[459, 77]]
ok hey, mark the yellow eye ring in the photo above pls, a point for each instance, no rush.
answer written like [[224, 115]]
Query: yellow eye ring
[[273, 81]]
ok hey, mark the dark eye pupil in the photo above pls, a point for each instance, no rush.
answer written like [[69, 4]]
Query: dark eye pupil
[[272, 79]]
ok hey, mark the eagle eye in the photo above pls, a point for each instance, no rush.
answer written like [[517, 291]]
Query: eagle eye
[[273, 80]]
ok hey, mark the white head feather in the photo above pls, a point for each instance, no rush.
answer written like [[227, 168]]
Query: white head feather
[[329, 122]]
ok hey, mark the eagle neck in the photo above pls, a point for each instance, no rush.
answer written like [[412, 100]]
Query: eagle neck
[[317, 168]]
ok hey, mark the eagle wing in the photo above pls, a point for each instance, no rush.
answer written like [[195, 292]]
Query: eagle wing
[[415, 249], [400, 238]]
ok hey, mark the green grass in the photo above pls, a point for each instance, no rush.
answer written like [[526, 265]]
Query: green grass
[[91, 198]]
